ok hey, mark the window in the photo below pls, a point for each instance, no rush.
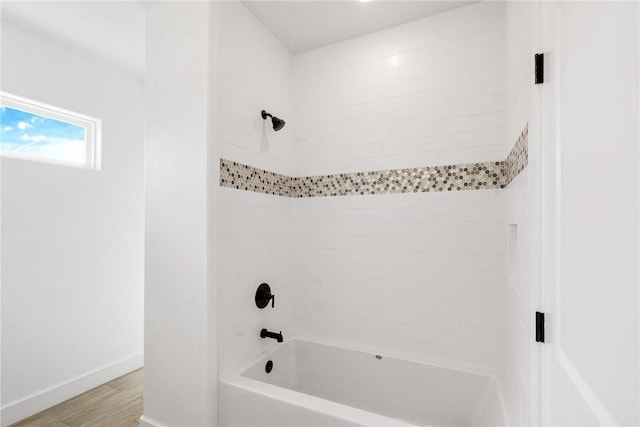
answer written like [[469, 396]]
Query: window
[[30, 130]]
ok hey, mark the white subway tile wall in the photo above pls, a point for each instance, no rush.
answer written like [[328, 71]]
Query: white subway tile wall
[[255, 74], [429, 92], [519, 325], [515, 383], [254, 246], [253, 232], [415, 274], [419, 275]]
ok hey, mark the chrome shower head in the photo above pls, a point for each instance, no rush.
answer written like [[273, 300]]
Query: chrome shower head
[[277, 123]]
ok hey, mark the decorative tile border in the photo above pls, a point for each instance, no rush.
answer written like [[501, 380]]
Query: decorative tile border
[[518, 158], [471, 176], [245, 177]]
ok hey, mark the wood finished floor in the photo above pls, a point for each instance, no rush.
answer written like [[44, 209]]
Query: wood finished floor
[[117, 403]]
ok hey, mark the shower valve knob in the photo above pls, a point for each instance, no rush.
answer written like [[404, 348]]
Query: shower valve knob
[[264, 295]]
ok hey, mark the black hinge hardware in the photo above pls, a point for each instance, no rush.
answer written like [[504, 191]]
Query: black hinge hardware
[[539, 327], [539, 60]]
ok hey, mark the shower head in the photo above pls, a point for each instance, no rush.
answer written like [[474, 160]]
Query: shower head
[[277, 123]]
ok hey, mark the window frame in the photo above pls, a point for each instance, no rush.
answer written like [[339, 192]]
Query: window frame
[[91, 125]]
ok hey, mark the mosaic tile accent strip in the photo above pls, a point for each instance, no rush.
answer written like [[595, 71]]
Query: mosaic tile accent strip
[[471, 176], [245, 177], [518, 158]]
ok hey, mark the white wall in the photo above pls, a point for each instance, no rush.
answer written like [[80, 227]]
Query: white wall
[[72, 239], [421, 275], [180, 297], [254, 229], [424, 93], [591, 294]]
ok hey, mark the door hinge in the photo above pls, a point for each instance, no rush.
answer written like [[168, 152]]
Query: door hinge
[[539, 61], [539, 327]]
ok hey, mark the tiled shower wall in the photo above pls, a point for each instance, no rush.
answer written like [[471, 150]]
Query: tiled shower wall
[[255, 74], [519, 324], [415, 274], [429, 92], [418, 274], [254, 241], [253, 229]]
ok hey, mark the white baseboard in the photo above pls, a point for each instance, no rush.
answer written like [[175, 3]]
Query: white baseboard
[[20, 409]]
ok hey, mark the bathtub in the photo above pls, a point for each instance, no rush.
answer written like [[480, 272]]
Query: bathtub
[[317, 385]]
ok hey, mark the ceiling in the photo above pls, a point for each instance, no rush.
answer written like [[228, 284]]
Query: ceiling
[[113, 30], [304, 25]]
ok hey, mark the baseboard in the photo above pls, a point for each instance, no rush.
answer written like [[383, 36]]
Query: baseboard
[[20, 409]]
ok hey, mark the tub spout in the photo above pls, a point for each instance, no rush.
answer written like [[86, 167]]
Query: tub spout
[[276, 336]]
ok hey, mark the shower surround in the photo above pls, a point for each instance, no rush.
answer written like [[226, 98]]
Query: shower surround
[[408, 260]]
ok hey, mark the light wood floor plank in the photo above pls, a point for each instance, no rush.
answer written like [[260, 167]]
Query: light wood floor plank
[[110, 405], [121, 418], [132, 379], [117, 403]]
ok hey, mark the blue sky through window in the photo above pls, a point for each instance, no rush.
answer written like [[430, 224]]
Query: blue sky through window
[[33, 135]]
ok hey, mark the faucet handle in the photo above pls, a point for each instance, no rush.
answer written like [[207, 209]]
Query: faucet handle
[[264, 295]]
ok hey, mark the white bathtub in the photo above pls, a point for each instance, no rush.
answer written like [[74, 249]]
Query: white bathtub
[[317, 385]]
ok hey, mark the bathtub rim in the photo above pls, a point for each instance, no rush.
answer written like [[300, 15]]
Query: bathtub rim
[[314, 403]]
